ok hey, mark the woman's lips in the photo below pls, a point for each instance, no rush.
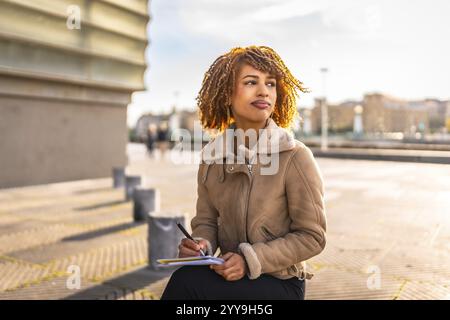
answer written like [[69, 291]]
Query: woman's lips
[[260, 105]]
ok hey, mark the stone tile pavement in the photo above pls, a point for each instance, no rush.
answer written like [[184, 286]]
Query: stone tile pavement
[[388, 233]]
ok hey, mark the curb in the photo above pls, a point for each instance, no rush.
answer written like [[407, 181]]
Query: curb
[[377, 154]]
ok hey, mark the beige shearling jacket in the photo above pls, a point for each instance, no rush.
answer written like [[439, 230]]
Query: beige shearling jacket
[[274, 218]]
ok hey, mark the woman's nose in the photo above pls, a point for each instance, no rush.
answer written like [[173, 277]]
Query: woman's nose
[[263, 91]]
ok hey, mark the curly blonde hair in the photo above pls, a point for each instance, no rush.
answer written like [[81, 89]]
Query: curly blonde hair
[[219, 81]]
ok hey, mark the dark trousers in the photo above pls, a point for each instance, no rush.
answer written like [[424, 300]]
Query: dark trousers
[[202, 283]]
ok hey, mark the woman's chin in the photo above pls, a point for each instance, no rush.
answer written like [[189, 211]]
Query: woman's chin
[[259, 116], [262, 118], [256, 120]]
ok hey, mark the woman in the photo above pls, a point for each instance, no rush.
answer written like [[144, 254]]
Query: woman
[[151, 137], [260, 192]]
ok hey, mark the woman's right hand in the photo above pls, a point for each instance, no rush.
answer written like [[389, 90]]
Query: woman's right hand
[[189, 248]]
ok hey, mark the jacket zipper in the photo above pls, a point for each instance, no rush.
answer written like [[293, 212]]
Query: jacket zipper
[[250, 169], [249, 166]]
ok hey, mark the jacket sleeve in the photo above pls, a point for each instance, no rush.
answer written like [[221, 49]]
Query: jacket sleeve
[[304, 191], [204, 223]]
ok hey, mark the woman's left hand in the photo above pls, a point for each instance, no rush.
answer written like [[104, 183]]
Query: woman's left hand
[[234, 267]]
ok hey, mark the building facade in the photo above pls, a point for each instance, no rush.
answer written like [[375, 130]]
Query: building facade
[[384, 114], [340, 116], [67, 71]]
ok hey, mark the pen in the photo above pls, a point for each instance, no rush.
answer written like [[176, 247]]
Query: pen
[[188, 236]]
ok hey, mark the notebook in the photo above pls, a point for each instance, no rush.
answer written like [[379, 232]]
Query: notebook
[[190, 261]]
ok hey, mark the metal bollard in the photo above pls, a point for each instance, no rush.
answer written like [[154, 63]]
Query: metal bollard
[[118, 177], [131, 182], [163, 237], [145, 201]]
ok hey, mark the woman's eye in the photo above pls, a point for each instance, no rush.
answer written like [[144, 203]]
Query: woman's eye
[[271, 84]]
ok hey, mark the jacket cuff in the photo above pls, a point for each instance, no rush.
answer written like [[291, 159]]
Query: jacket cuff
[[254, 266], [208, 246]]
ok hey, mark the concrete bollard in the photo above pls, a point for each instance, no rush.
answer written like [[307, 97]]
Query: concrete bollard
[[131, 182], [118, 177], [163, 237], [145, 201]]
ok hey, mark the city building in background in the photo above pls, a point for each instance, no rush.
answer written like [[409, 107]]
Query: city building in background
[[65, 84], [340, 116], [184, 119], [376, 115], [382, 114]]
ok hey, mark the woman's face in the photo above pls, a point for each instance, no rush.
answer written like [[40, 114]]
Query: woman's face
[[254, 97]]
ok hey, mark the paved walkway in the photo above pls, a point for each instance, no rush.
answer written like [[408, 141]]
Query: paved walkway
[[388, 237]]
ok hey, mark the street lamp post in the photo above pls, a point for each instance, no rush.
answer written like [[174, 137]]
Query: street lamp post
[[357, 121], [324, 113], [176, 94]]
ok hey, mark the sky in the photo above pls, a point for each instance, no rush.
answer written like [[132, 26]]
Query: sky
[[397, 47]]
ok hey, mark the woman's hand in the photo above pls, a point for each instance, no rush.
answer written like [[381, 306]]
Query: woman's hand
[[234, 268], [189, 248]]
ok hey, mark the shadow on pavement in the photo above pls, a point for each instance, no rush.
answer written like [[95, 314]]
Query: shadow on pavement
[[100, 205], [101, 232], [87, 191], [123, 286]]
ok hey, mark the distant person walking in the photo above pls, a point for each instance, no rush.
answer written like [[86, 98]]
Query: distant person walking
[[151, 138], [163, 138]]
